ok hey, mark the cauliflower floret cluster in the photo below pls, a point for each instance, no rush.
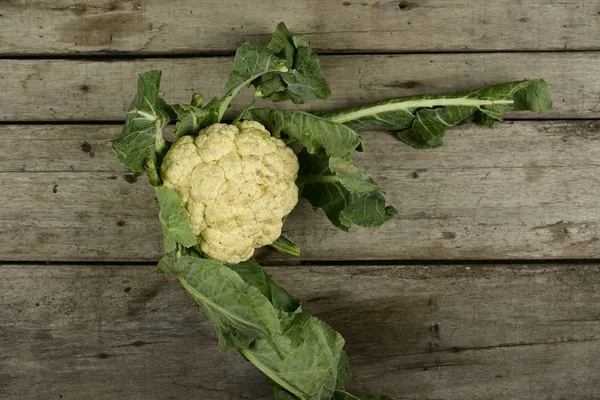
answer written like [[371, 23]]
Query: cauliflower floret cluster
[[237, 185]]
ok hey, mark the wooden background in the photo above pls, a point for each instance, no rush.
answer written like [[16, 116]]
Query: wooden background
[[485, 287]]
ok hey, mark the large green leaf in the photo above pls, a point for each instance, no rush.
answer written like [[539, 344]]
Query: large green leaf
[[344, 375], [141, 138], [296, 351], [254, 275], [312, 353], [315, 133], [333, 383], [422, 121], [303, 81], [286, 69], [249, 64], [174, 219], [239, 311], [346, 195]]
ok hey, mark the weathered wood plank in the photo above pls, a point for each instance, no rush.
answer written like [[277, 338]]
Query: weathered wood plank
[[144, 26], [101, 90], [413, 332], [526, 190]]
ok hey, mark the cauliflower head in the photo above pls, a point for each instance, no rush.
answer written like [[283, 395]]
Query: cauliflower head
[[237, 185]]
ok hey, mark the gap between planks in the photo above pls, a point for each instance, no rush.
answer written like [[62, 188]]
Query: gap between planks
[[124, 56], [306, 263]]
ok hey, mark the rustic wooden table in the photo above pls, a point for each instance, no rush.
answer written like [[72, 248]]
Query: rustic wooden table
[[483, 288]]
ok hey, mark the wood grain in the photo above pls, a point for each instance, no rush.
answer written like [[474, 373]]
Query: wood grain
[[83, 90], [525, 190], [413, 332], [157, 27]]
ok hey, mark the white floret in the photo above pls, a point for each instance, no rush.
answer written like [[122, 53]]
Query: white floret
[[237, 185], [175, 167]]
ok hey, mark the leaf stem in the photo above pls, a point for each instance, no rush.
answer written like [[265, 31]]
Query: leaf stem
[[228, 98], [413, 104], [349, 395], [160, 142], [284, 246], [146, 115]]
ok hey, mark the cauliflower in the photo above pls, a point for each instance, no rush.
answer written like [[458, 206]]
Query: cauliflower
[[237, 185]]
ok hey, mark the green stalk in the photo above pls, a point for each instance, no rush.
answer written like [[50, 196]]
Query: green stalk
[[284, 246], [228, 97], [414, 104]]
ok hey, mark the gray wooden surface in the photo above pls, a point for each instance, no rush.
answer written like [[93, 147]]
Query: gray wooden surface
[[99, 90], [206, 26], [525, 191], [505, 223], [415, 332]]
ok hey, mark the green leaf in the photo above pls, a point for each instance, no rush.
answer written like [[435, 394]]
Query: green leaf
[[255, 276], [422, 121], [280, 393], [303, 81], [312, 353], [187, 116], [530, 95], [315, 133], [344, 375], [174, 219], [346, 195], [249, 64], [271, 87], [281, 45], [369, 211], [351, 177], [285, 246], [141, 138], [286, 69], [192, 119], [250, 311], [240, 313]]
